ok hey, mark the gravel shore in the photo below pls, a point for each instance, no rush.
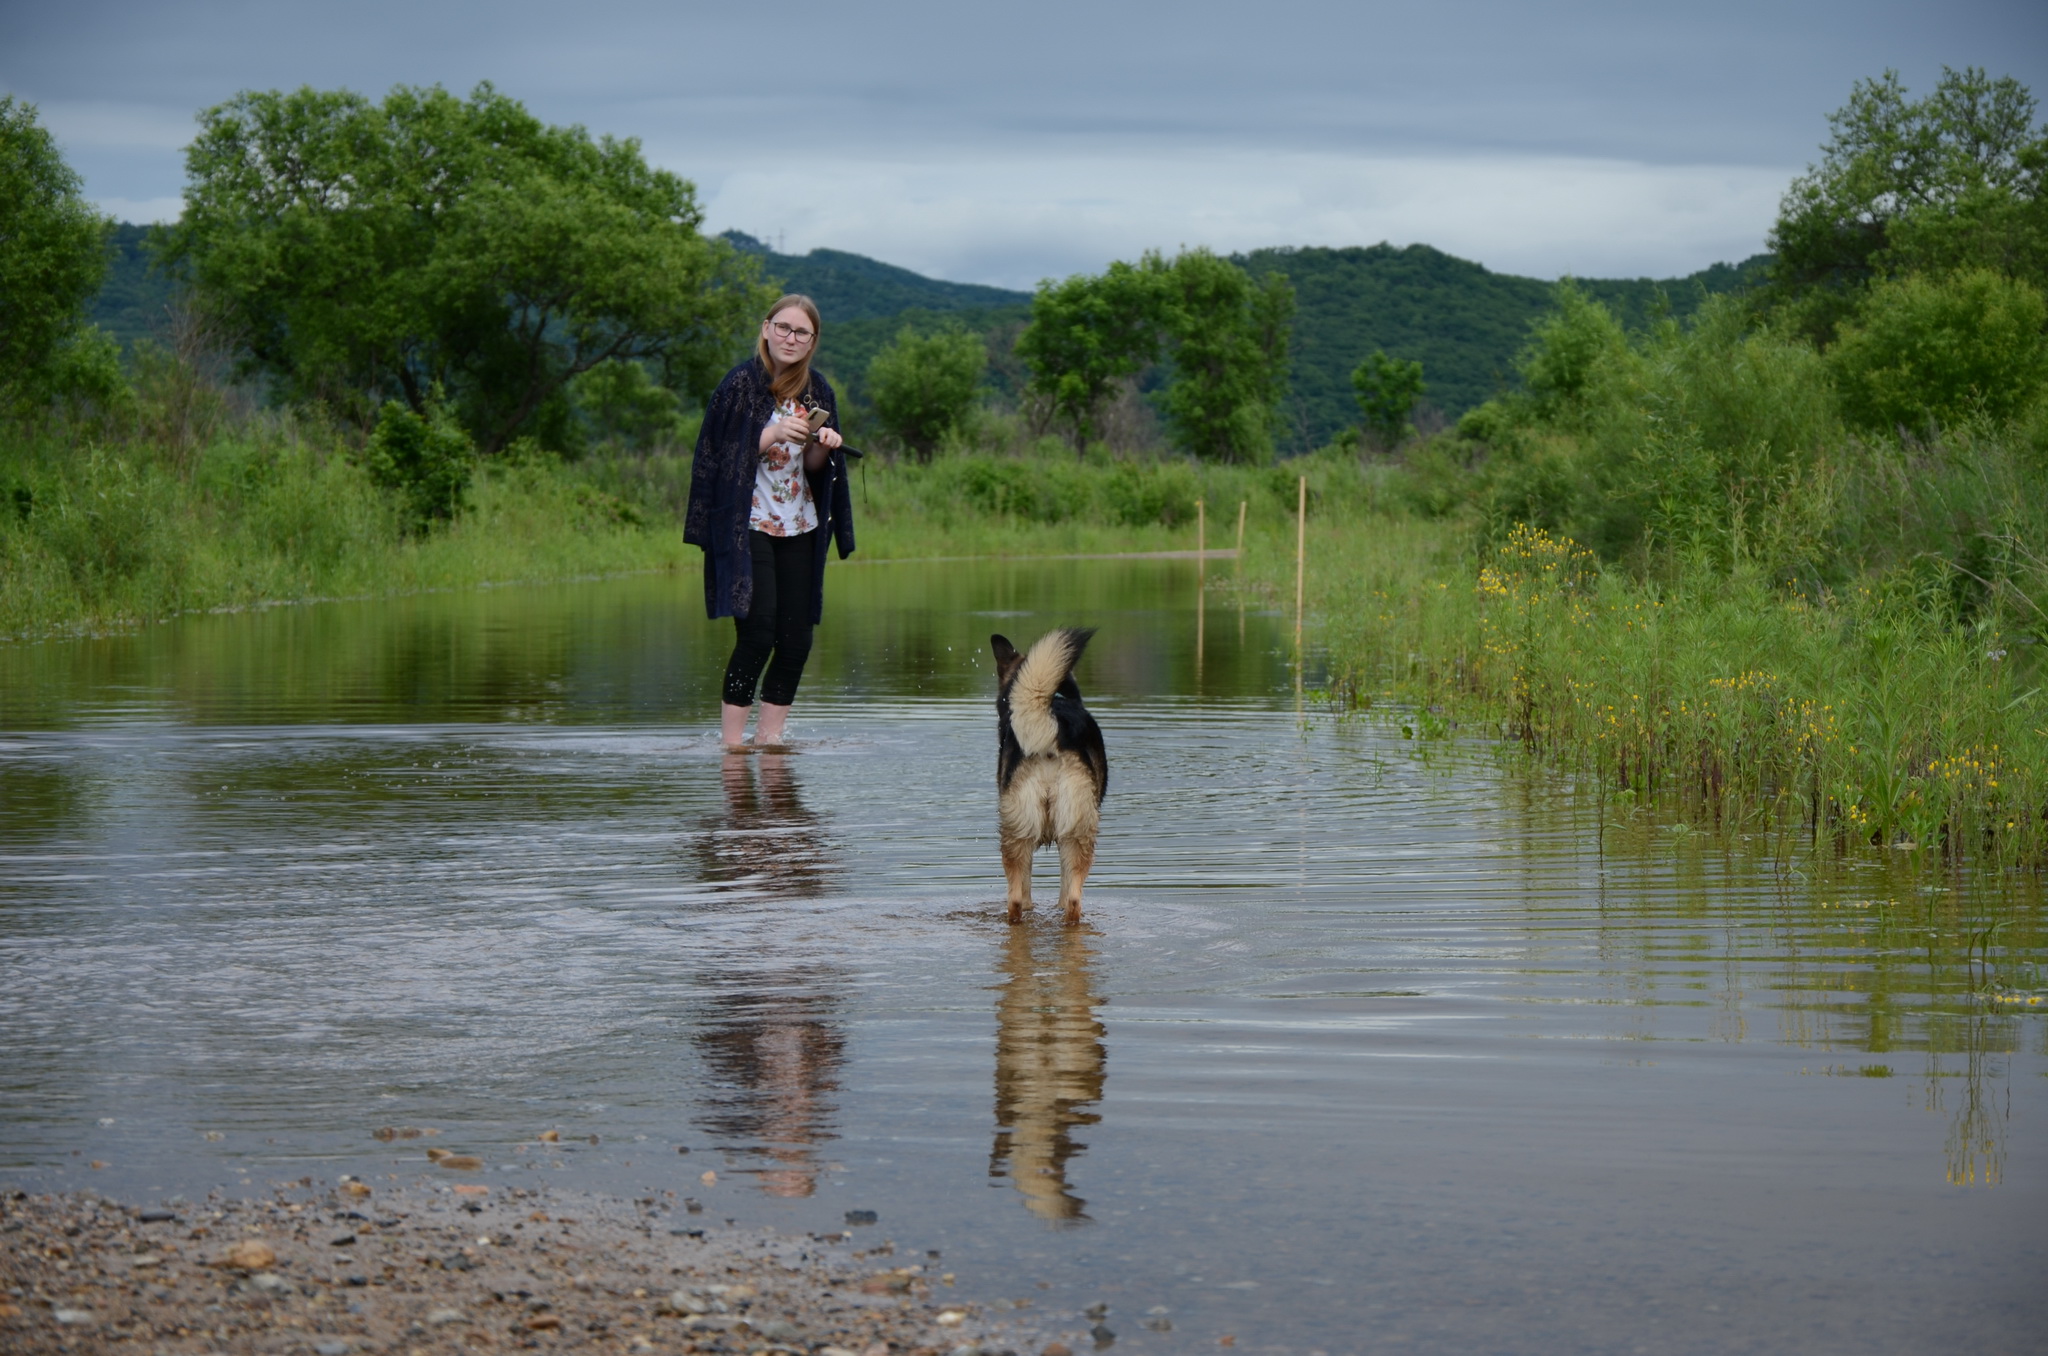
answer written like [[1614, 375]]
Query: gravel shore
[[451, 1268]]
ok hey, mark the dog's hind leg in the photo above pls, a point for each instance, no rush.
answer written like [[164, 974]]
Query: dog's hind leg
[[1017, 866], [1077, 855]]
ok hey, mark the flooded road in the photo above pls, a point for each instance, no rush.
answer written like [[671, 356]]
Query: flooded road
[[1369, 1043]]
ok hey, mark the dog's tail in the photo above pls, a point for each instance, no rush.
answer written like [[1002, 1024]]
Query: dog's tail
[[1049, 663]]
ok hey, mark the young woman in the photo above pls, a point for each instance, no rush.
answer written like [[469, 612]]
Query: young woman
[[767, 493]]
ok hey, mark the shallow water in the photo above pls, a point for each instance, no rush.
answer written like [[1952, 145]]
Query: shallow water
[[1367, 1043]]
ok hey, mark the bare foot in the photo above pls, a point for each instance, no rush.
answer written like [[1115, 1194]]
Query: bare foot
[[732, 725], [769, 729]]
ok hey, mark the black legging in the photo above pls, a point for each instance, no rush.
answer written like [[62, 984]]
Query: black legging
[[780, 620]]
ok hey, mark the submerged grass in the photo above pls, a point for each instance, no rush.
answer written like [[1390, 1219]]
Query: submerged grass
[[1865, 715]]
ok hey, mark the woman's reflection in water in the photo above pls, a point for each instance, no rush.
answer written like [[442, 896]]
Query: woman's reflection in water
[[1049, 1065], [771, 1039], [767, 840]]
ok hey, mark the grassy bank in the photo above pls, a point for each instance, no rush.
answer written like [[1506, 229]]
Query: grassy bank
[[1901, 708], [94, 534], [97, 533]]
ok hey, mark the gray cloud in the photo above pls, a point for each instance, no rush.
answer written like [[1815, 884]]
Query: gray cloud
[[1004, 143]]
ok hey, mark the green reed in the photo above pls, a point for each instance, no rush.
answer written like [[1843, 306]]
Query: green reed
[[1864, 715]]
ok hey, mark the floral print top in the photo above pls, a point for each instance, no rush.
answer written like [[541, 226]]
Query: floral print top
[[782, 495]]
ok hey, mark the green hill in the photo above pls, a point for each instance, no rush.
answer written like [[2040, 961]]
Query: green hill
[[855, 287], [1463, 321], [133, 300]]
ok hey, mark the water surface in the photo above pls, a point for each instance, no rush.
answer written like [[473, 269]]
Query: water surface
[[1367, 1044]]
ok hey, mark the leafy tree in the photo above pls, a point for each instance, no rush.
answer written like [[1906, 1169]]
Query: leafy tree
[[1224, 333], [424, 459], [1387, 391], [1569, 350], [52, 259], [1954, 180], [1088, 335], [1227, 334], [360, 252], [1923, 349], [922, 386], [627, 408]]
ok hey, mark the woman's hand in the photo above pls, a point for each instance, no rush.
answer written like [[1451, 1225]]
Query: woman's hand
[[823, 441], [785, 430]]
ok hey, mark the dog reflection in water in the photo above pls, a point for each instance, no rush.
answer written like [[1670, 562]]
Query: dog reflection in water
[[773, 1037], [1049, 1066]]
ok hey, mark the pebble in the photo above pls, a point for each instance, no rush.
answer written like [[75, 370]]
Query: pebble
[[1057, 1349], [157, 1216], [1102, 1335], [862, 1217], [736, 1289], [250, 1255]]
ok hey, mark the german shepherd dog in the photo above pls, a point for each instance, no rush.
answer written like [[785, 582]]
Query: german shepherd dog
[[1051, 768]]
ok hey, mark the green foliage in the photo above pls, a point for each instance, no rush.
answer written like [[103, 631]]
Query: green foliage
[[1954, 180], [52, 261], [1713, 443], [136, 297], [363, 252], [923, 386], [1227, 336], [1922, 351], [1224, 335], [1088, 335], [1574, 346], [626, 408], [1135, 494], [426, 461], [1387, 390]]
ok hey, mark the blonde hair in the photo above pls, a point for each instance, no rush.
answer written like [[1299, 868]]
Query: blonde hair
[[795, 380]]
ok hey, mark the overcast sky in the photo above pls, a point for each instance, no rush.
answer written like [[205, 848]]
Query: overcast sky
[[1005, 144]]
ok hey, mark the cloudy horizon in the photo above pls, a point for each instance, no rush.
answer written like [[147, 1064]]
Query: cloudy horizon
[[1601, 139]]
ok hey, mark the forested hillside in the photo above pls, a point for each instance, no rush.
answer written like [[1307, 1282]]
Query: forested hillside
[[132, 303], [1464, 322]]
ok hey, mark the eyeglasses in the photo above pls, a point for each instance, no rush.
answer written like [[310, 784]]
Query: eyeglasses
[[801, 336]]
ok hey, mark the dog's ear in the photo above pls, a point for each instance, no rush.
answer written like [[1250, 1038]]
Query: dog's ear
[[1006, 656]]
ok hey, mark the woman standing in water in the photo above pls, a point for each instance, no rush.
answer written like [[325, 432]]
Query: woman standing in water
[[767, 490]]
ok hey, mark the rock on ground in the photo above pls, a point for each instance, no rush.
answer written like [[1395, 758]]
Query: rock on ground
[[448, 1269]]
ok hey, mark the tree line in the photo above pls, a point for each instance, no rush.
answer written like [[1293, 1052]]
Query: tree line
[[457, 262]]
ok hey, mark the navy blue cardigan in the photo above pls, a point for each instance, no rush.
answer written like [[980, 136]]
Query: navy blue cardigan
[[722, 490]]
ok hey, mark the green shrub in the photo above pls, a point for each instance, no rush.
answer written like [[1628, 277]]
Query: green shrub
[[1571, 352], [1135, 495], [425, 461], [1922, 351], [922, 386]]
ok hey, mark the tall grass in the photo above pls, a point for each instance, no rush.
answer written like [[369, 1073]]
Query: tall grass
[[96, 534]]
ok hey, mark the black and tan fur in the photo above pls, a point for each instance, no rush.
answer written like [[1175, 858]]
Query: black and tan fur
[[1051, 768]]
